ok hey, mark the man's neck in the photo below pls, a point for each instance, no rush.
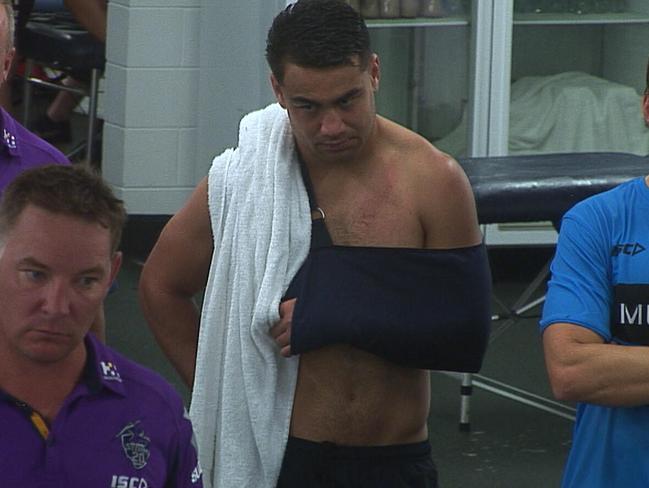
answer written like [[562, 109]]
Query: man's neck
[[43, 386]]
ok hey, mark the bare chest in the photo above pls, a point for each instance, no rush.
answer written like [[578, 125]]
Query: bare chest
[[384, 216]]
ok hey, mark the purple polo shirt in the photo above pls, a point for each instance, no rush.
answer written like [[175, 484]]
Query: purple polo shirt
[[122, 426], [21, 150]]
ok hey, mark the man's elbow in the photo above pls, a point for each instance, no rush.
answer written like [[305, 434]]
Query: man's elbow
[[151, 293], [565, 383], [159, 290]]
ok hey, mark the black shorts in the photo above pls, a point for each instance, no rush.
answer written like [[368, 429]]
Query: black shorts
[[315, 465]]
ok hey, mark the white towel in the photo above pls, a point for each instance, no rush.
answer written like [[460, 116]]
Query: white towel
[[243, 390]]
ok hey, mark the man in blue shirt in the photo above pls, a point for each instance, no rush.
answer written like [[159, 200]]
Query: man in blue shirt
[[73, 412], [595, 328]]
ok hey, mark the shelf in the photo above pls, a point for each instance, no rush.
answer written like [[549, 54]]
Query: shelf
[[417, 22], [581, 19], [519, 19]]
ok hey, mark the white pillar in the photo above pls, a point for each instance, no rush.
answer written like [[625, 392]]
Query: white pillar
[[179, 75]]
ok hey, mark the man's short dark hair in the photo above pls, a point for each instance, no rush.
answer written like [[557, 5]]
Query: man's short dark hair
[[317, 34], [646, 90], [67, 190]]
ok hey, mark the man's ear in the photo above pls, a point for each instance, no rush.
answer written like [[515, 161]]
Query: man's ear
[[375, 71], [6, 64], [277, 90], [645, 108]]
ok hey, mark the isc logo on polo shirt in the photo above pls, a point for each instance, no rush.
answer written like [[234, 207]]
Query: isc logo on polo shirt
[[128, 482], [109, 371]]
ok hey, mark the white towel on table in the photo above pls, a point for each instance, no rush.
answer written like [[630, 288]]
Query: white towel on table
[[243, 390], [567, 112]]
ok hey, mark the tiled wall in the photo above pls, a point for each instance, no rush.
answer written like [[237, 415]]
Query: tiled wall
[[150, 106], [234, 73]]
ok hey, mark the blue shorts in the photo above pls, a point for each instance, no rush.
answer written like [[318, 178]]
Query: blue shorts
[[316, 464]]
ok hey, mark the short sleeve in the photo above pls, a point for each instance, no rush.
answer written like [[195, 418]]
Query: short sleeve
[[187, 472], [579, 291]]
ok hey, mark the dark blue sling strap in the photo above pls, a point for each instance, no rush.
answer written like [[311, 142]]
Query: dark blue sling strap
[[319, 234]]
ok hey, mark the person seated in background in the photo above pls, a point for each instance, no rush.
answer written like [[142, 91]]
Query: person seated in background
[[91, 14], [54, 125], [74, 412], [595, 327], [9, 96]]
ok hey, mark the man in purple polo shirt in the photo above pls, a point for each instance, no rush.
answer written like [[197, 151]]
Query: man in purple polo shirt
[[20, 149], [73, 412]]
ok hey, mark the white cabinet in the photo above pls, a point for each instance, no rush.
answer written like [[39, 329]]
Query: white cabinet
[[438, 72], [425, 70], [611, 47], [576, 84], [457, 80]]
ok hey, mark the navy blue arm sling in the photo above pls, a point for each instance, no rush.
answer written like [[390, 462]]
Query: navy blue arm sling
[[421, 308]]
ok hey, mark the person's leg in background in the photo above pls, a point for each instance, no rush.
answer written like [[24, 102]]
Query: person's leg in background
[[54, 125]]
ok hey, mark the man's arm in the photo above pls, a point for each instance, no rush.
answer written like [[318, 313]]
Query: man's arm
[[447, 205], [91, 14], [583, 368], [174, 272]]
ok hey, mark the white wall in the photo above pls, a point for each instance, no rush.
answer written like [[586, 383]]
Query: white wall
[[152, 69], [234, 74], [179, 76]]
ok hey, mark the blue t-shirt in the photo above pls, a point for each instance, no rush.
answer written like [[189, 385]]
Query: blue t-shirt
[[122, 426], [602, 256]]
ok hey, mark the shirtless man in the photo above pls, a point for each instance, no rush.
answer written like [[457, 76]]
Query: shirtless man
[[379, 185]]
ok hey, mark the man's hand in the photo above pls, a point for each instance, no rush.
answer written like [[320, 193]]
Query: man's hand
[[281, 331]]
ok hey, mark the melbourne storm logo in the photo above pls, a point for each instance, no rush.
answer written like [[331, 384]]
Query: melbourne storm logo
[[135, 444]]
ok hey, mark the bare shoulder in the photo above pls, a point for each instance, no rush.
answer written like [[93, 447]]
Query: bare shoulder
[[191, 222], [428, 161], [443, 194], [423, 159], [195, 213]]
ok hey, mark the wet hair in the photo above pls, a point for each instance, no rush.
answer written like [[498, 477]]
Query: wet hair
[[67, 190], [317, 34]]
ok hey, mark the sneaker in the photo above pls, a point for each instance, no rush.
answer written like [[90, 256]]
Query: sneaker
[[52, 132]]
